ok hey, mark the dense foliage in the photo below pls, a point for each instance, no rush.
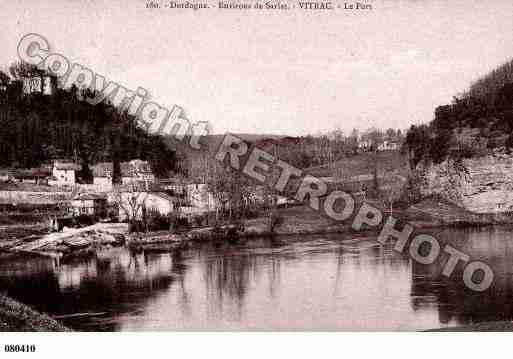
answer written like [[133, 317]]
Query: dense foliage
[[37, 127], [480, 119]]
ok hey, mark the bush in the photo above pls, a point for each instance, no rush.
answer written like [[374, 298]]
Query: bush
[[158, 222], [85, 220], [199, 220], [509, 143]]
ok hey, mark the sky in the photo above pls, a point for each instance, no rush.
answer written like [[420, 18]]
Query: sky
[[279, 72]]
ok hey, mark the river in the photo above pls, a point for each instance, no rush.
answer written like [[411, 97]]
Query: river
[[321, 282]]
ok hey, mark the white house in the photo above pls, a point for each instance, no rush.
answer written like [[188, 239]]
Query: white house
[[64, 173], [132, 203], [4, 175], [388, 146], [364, 145], [91, 204]]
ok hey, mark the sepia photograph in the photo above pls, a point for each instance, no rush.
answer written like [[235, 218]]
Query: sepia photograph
[[255, 166]]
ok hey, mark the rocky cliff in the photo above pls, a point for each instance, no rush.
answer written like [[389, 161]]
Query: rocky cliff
[[483, 184]]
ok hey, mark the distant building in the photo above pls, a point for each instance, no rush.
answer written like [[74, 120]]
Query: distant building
[[4, 175], [135, 171], [64, 173], [176, 186], [388, 146], [364, 145], [90, 204]]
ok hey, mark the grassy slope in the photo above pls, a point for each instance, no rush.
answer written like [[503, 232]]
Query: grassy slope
[[440, 211], [363, 163], [428, 213], [17, 317]]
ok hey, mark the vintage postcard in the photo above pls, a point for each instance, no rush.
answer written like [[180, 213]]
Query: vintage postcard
[[252, 165]]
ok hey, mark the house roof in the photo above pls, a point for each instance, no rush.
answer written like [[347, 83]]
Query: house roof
[[67, 167], [89, 196], [163, 196], [30, 173], [134, 168], [139, 186]]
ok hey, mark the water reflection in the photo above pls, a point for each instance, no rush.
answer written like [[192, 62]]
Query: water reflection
[[310, 283], [116, 283], [456, 303]]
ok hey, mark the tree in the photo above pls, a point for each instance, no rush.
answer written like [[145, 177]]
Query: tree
[[232, 192], [391, 134], [131, 201], [352, 141], [417, 144], [440, 146], [376, 137], [4, 80], [509, 143], [37, 129], [393, 190]]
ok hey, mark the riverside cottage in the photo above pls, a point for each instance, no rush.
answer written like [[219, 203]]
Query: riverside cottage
[[90, 204], [132, 203]]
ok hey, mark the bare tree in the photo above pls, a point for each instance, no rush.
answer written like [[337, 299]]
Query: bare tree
[[392, 190], [131, 201]]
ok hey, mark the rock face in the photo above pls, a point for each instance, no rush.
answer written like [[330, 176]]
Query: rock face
[[483, 185]]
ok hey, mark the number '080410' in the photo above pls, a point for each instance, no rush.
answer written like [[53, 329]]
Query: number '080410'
[[15, 348]]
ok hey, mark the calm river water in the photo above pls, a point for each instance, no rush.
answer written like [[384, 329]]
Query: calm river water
[[328, 282]]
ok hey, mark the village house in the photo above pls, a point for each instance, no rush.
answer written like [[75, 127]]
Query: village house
[[259, 197], [4, 175], [364, 145], [64, 173], [133, 204], [31, 175], [90, 204], [135, 171], [388, 146]]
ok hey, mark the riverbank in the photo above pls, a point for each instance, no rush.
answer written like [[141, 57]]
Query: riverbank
[[294, 220], [17, 317], [430, 213]]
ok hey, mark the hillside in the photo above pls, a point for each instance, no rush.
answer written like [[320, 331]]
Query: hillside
[[364, 164], [36, 128], [474, 124]]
